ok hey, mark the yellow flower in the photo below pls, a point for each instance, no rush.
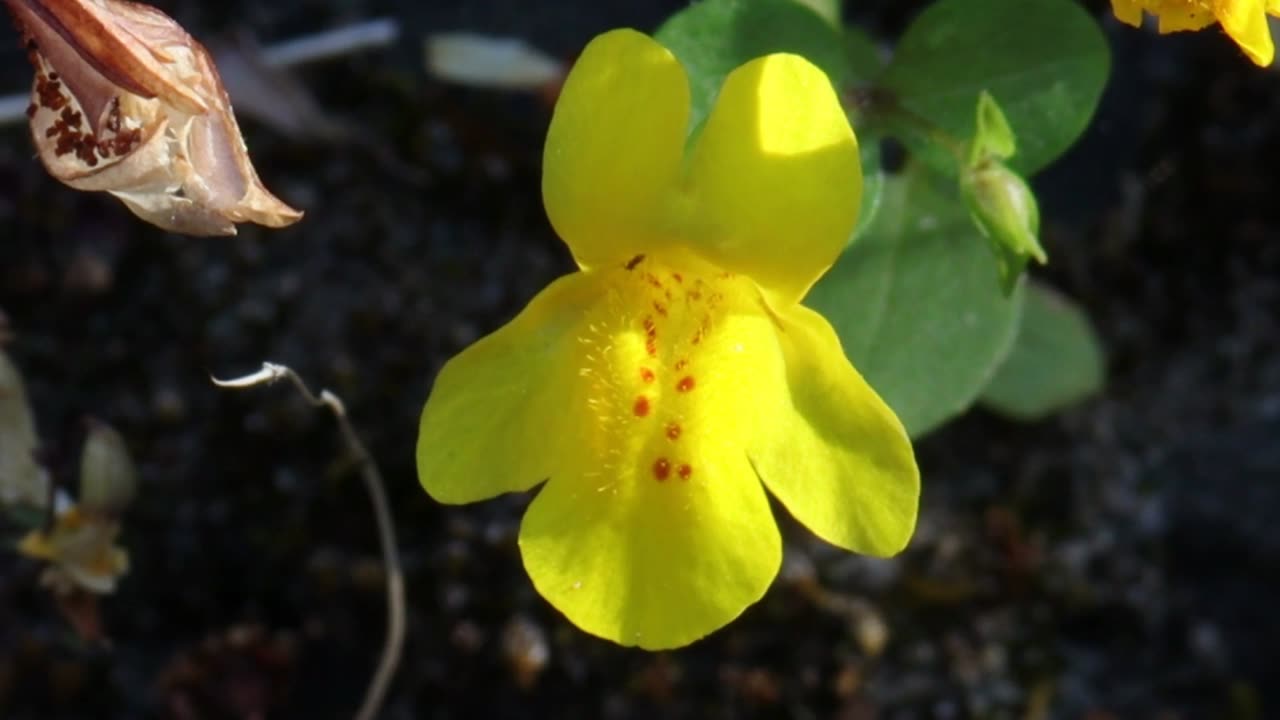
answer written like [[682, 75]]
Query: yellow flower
[[1244, 20], [658, 386]]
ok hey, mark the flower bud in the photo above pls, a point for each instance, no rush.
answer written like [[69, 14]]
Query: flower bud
[[1000, 202], [125, 101], [1004, 209]]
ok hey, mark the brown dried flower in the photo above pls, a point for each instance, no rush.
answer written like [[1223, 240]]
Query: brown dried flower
[[80, 551], [125, 101]]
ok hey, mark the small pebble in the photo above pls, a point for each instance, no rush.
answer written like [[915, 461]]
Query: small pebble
[[525, 648]]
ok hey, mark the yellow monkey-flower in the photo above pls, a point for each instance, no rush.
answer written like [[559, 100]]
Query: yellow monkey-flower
[[661, 388], [1244, 20]]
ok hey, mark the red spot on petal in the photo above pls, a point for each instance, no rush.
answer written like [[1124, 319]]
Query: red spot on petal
[[685, 384], [642, 406], [660, 308], [684, 471], [651, 347], [678, 277], [661, 469], [681, 364], [646, 375], [673, 431]]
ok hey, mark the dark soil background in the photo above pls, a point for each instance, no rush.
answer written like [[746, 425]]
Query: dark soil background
[[1121, 560]]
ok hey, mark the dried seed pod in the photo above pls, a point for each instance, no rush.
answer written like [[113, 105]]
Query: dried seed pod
[[125, 101]]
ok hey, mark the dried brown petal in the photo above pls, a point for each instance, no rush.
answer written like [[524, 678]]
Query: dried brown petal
[[125, 101]]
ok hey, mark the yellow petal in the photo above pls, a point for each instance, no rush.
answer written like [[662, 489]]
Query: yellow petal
[[496, 419], [775, 181], [833, 452], [615, 146], [650, 563], [1180, 15], [1128, 11], [1246, 22]]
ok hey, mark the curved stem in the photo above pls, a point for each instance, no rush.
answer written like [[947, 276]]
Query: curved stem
[[393, 645]]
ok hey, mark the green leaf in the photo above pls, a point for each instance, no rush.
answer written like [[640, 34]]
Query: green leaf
[[862, 56], [1056, 359], [713, 37], [1045, 61], [872, 185], [917, 304]]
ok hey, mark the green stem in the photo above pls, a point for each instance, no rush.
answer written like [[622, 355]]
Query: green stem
[[874, 108]]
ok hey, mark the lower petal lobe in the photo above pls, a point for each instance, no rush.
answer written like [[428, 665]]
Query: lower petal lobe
[[831, 450], [496, 419], [650, 563]]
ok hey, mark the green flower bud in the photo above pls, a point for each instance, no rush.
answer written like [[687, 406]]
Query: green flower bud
[[1004, 209], [1000, 202]]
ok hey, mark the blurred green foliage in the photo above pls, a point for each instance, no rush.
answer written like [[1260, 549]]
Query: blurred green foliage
[[1056, 359]]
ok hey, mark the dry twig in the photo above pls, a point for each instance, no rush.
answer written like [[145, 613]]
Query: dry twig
[[391, 649]]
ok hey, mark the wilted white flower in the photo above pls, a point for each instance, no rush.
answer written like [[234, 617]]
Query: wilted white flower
[[23, 483]]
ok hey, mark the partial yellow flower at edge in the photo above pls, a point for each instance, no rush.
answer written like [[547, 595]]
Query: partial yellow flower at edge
[[1245, 21], [662, 388]]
